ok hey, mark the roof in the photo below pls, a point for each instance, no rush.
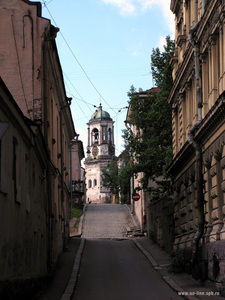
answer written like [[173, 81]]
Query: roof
[[152, 90], [100, 114]]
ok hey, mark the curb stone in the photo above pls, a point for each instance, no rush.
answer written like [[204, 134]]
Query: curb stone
[[74, 275], [167, 279], [147, 254], [80, 226], [177, 289]]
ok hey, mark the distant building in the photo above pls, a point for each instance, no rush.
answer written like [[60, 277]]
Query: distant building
[[77, 179], [100, 152], [198, 101]]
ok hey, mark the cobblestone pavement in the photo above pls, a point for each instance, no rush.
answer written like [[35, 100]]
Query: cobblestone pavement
[[106, 221]]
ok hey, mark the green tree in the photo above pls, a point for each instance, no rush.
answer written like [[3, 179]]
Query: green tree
[[152, 146], [118, 179], [110, 177], [161, 68], [124, 175]]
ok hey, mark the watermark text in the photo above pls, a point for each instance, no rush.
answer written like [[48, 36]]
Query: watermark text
[[199, 293]]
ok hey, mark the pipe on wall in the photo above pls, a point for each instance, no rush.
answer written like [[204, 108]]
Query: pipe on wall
[[198, 150]]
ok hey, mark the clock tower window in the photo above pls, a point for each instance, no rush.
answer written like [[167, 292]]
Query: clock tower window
[[94, 136], [110, 135], [104, 133]]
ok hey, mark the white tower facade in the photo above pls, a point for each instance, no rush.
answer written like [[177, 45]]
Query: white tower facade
[[100, 152]]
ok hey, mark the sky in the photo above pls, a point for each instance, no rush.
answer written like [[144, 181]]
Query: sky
[[105, 47]]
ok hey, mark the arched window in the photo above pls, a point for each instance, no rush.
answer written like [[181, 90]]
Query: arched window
[[104, 133], [95, 182], [89, 183], [94, 136], [110, 135]]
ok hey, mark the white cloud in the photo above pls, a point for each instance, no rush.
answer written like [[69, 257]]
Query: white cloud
[[125, 6], [162, 42], [131, 7]]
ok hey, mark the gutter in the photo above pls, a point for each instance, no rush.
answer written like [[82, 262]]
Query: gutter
[[196, 145], [132, 177]]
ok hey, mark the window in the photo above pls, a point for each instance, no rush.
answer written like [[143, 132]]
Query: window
[[14, 167], [94, 136], [0, 163], [104, 133], [95, 182], [89, 184], [110, 134]]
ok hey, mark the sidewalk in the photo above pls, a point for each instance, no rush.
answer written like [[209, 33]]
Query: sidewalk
[[62, 275], [182, 283], [67, 269], [64, 280]]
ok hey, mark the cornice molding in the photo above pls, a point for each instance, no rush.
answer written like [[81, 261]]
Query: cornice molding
[[174, 5], [210, 124]]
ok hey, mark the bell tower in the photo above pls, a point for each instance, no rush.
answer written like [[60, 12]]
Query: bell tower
[[100, 152]]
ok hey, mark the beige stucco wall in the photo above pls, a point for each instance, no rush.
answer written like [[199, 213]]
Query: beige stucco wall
[[96, 193], [210, 135]]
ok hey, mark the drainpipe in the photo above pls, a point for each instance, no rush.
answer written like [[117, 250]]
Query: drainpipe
[[62, 179], [132, 177], [198, 151], [204, 2]]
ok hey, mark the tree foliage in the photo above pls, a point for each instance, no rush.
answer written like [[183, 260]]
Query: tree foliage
[[152, 144], [161, 68], [110, 177], [118, 179], [125, 173]]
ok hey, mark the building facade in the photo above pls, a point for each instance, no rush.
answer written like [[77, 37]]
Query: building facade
[[198, 102], [100, 152], [31, 70], [23, 188], [77, 173]]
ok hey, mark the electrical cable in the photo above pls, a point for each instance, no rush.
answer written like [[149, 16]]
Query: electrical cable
[[78, 92], [74, 56]]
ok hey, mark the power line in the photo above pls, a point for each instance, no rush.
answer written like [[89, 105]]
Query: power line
[[74, 56], [78, 92]]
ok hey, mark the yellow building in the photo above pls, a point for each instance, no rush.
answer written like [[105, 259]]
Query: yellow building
[[198, 120]]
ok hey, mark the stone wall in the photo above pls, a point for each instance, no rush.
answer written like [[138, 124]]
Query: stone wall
[[161, 223]]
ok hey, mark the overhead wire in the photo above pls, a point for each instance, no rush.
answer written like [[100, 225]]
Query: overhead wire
[[74, 56], [89, 79], [78, 92]]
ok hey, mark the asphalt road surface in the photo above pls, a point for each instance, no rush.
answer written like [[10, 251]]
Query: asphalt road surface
[[113, 268]]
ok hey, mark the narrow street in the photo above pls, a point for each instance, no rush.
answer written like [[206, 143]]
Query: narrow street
[[112, 267]]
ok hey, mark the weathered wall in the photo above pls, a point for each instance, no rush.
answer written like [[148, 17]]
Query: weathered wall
[[161, 223], [31, 69], [23, 206]]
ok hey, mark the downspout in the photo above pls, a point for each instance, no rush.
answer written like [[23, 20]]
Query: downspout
[[62, 179], [49, 186], [132, 177], [198, 151], [65, 239], [204, 2]]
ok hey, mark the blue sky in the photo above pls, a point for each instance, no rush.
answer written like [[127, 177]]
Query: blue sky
[[105, 47]]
